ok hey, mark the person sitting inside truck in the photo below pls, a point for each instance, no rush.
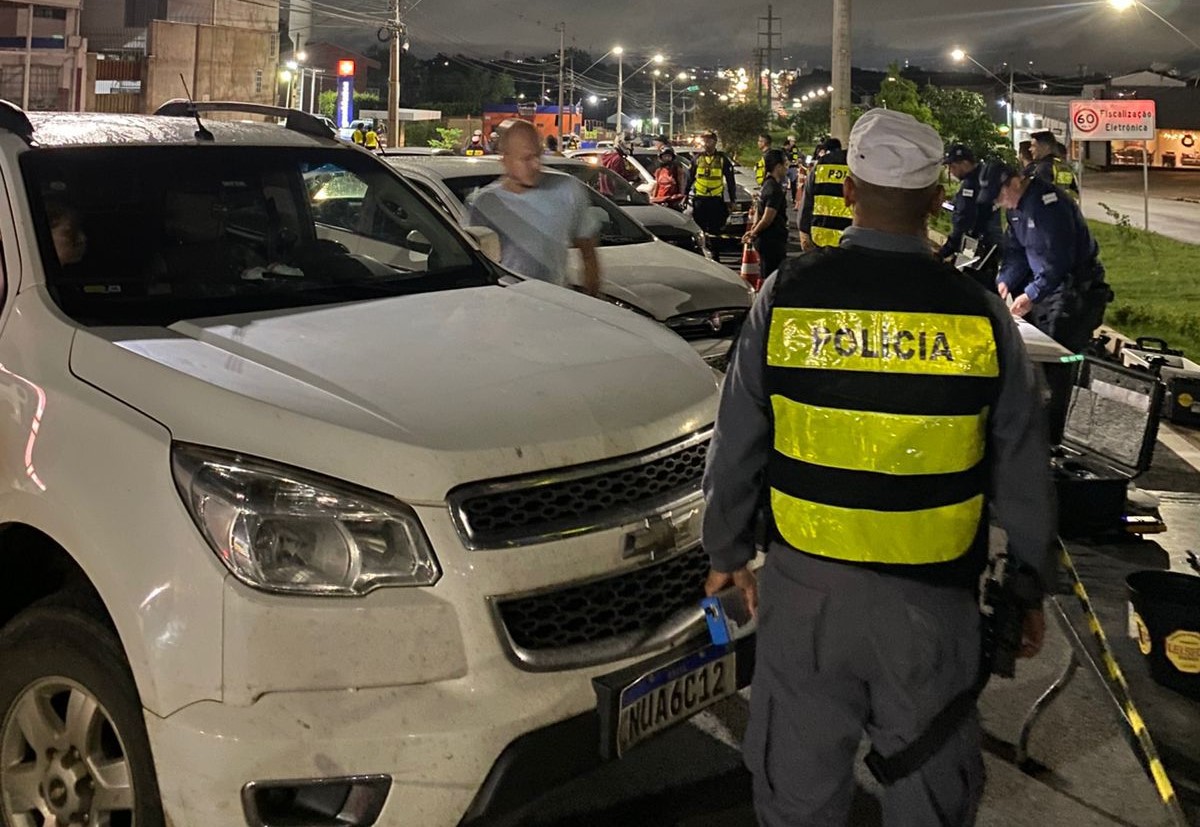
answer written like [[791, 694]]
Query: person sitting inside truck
[[66, 229]]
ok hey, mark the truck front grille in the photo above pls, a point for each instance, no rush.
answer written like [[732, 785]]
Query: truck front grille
[[607, 618], [574, 501]]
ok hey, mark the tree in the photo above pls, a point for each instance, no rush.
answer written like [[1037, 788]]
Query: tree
[[901, 95], [327, 103], [964, 119], [447, 138], [737, 124], [811, 122]]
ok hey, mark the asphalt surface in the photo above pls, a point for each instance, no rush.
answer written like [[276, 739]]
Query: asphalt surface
[[1174, 201], [1083, 771]]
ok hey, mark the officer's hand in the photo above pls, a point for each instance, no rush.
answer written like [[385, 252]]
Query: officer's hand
[[1033, 633], [1002, 289], [743, 578], [806, 243], [1022, 306]]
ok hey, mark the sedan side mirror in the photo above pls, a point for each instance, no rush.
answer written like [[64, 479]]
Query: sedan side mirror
[[418, 243], [487, 239]]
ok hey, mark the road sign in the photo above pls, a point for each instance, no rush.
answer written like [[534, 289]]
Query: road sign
[[1109, 120]]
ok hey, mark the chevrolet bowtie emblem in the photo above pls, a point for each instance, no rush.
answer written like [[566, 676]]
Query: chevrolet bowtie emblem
[[662, 535]]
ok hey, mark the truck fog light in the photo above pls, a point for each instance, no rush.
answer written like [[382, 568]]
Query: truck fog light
[[355, 801]]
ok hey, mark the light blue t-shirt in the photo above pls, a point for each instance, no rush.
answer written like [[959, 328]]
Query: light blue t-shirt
[[538, 227]]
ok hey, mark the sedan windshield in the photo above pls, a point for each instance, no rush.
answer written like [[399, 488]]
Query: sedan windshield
[[151, 235], [606, 182], [618, 228]]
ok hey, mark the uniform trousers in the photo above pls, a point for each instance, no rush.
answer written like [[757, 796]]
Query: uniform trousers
[[843, 650]]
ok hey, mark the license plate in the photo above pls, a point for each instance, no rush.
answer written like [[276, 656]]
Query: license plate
[[674, 693]]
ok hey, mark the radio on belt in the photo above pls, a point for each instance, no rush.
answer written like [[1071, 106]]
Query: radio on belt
[[728, 616]]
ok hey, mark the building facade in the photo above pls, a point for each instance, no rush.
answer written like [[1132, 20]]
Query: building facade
[[146, 52], [43, 58]]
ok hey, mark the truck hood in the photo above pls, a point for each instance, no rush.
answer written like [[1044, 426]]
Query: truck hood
[[417, 394], [665, 281]]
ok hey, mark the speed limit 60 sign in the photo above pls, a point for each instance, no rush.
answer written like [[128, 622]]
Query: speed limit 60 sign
[[1099, 120]]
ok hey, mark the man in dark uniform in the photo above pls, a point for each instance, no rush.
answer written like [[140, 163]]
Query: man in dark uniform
[[824, 214], [1052, 265], [975, 214], [879, 403], [1051, 271], [769, 235], [711, 187]]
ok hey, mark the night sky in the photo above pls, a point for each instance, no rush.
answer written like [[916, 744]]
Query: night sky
[[1058, 37]]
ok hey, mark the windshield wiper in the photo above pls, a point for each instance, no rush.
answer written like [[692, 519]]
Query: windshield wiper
[[617, 240]]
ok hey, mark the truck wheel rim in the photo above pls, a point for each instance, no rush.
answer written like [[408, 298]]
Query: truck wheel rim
[[62, 760]]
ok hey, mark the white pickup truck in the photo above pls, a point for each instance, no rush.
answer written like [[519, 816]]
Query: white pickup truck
[[311, 513]]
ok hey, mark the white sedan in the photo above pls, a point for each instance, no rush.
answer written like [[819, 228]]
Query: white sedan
[[701, 300]]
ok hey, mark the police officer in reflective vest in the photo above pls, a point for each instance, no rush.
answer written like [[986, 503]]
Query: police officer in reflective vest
[[760, 169], [792, 152], [712, 187], [975, 213], [824, 215], [880, 404], [1050, 163], [476, 147]]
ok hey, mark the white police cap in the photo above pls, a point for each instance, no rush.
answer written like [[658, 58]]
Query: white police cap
[[892, 149]]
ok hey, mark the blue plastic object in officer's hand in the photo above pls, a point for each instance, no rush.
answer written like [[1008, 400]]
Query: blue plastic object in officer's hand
[[728, 616]]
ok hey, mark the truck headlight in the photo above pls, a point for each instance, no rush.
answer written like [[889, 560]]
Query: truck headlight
[[282, 529]]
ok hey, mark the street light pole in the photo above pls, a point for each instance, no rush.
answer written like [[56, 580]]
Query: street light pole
[[620, 53], [959, 56], [562, 60], [654, 96]]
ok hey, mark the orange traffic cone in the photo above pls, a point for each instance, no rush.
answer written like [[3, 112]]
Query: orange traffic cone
[[751, 264], [751, 273]]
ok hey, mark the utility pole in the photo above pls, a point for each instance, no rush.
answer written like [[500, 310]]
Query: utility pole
[[562, 63], [671, 117], [620, 94], [839, 126], [767, 50], [758, 70], [393, 124]]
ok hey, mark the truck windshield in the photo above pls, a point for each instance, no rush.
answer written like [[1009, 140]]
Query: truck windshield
[[152, 235]]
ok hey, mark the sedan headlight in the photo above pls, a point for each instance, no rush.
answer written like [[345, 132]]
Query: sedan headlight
[[285, 530]]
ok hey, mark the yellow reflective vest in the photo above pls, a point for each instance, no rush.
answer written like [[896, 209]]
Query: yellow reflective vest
[[880, 412], [831, 216], [710, 175], [1064, 176]]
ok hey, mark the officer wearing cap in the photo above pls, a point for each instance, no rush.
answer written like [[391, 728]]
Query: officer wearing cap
[[877, 406], [711, 187], [975, 213], [1052, 267], [824, 215], [475, 147]]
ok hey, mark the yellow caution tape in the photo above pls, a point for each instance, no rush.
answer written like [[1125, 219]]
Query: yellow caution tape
[[1166, 791]]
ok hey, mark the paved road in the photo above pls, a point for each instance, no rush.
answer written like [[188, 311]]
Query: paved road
[[1085, 772], [1174, 201]]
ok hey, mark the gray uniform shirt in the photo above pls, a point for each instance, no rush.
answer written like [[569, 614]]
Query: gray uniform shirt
[[1022, 494], [538, 227]]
